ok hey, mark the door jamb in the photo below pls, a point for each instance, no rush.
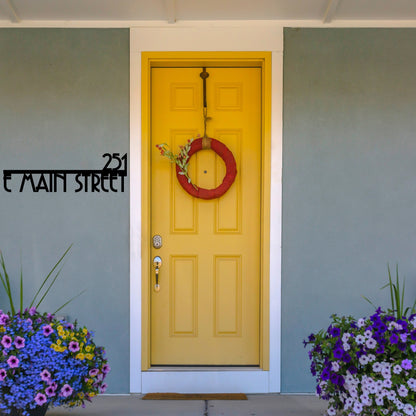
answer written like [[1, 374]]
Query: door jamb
[[199, 59]]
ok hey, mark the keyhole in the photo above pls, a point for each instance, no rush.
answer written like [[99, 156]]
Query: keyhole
[[205, 171]]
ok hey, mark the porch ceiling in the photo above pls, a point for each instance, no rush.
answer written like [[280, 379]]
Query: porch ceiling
[[326, 11]]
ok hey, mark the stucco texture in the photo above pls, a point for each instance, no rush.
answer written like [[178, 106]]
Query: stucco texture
[[349, 179], [64, 102]]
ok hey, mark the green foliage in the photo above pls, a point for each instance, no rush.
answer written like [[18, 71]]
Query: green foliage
[[396, 296], [46, 285], [181, 159]]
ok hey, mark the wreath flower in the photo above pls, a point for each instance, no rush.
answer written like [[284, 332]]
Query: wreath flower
[[181, 159]]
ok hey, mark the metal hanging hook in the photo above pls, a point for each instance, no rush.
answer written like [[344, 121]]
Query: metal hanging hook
[[204, 75]]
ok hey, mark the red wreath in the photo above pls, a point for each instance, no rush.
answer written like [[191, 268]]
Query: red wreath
[[231, 169]]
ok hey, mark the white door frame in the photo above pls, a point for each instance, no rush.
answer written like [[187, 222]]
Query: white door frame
[[206, 36]]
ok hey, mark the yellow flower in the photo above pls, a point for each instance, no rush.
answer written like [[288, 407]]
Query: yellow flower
[[81, 395], [90, 381], [85, 331], [89, 356], [80, 356], [59, 342], [2, 329], [92, 394], [88, 348], [60, 328]]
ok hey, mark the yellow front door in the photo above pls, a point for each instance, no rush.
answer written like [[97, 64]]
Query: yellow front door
[[207, 311]]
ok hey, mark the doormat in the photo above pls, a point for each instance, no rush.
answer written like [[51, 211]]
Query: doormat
[[195, 396]]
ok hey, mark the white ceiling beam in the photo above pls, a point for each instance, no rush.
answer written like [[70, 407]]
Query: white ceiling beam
[[171, 11], [12, 12], [330, 10]]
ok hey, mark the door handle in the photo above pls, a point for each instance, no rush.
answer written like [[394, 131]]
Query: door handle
[[157, 263]]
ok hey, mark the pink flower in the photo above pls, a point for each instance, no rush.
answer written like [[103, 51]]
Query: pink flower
[[40, 399], [3, 319], [13, 361], [3, 374], [19, 342], [103, 387], [32, 311], [45, 375], [93, 372], [47, 330], [50, 391], [66, 390], [73, 346], [6, 341], [106, 369]]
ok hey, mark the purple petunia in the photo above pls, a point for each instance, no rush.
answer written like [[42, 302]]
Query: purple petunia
[[106, 369], [4, 318], [47, 330], [70, 326], [407, 364], [19, 342], [66, 390], [335, 332], [346, 358], [6, 341], [13, 361], [394, 339], [50, 391], [3, 374], [45, 375], [73, 346], [40, 399], [94, 372]]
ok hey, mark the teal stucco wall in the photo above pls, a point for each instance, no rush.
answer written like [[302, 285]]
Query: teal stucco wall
[[64, 102], [349, 178]]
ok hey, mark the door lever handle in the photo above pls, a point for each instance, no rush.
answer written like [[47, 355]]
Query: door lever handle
[[157, 263]]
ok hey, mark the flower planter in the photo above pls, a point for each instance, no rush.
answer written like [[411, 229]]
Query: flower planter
[[366, 367], [44, 361]]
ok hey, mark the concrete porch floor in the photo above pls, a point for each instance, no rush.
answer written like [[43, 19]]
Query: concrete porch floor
[[256, 405]]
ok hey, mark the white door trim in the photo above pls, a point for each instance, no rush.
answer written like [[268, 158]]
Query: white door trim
[[206, 36]]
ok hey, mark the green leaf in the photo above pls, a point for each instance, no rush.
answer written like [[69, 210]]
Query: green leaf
[[368, 300], [49, 275], [6, 284], [21, 287], [49, 287], [70, 300]]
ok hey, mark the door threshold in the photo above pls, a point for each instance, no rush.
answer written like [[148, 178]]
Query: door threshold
[[202, 368]]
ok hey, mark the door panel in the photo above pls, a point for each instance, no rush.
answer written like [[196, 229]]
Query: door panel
[[207, 311]]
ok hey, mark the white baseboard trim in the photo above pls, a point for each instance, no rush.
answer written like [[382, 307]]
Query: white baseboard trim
[[205, 382]]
